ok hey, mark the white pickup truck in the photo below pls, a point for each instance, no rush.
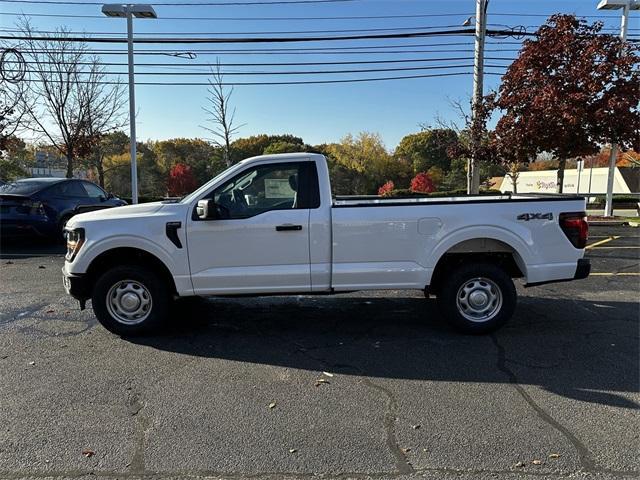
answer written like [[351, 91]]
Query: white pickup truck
[[270, 225]]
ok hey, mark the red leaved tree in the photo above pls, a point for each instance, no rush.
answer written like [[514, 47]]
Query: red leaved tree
[[386, 189], [422, 183], [181, 180], [571, 89]]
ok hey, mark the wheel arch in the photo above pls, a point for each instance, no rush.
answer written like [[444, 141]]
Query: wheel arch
[[129, 256], [493, 249]]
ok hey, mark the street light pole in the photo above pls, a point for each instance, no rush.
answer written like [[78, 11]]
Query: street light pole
[[129, 11], [132, 110], [626, 5]]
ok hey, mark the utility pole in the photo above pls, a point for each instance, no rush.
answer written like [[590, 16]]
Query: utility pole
[[132, 110], [473, 166]]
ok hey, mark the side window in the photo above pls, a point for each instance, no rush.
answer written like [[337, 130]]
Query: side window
[[93, 190], [68, 189], [263, 188], [74, 189]]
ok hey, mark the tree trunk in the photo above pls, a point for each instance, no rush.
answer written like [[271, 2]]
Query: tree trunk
[[100, 169], [514, 182], [69, 165], [560, 181]]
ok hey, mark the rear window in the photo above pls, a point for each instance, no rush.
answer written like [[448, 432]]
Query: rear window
[[25, 187]]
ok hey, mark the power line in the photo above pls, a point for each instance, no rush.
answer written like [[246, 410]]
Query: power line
[[186, 4], [255, 19], [263, 64], [287, 50], [65, 32], [301, 82], [417, 34], [303, 72]]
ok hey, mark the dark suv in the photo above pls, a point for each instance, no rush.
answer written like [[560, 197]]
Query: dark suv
[[42, 206]]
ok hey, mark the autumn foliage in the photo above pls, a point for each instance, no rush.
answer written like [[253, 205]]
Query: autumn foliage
[[181, 180], [422, 183], [571, 89], [386, 189]]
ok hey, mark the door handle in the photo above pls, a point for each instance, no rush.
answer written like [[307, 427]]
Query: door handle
[[286, 228]]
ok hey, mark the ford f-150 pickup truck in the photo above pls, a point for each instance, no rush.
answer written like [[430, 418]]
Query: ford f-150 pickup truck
[[270, 225]]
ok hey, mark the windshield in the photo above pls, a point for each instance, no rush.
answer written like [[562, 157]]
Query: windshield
[[24, 187], [209, 184]]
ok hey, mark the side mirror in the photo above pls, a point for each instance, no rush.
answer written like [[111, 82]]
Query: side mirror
[[210, 210]]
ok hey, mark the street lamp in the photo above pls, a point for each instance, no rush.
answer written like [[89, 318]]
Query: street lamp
[[625, 5], [129, 11]]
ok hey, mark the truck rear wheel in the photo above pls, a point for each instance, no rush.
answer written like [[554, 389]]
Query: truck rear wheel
[[130, 300], [477, 298]]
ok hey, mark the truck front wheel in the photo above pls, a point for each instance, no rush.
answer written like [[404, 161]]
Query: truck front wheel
[[130, 300], [477, 298]]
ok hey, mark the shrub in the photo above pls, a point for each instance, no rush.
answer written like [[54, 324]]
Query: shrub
[[386, 189], [422, 183]]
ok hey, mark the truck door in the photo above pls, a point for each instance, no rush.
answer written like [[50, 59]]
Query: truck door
[[261, 242]]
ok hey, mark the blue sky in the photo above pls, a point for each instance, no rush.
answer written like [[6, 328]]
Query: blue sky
[[317, 113]]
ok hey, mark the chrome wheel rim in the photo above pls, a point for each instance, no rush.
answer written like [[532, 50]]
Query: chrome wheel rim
[[129, 302], [479, 299]]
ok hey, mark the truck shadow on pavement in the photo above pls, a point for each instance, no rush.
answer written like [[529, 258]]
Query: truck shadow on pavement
[[576, 349]]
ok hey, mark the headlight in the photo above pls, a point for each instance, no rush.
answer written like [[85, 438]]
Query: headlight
[[75, 240]]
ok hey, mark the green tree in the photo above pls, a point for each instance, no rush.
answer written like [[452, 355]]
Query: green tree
[[15, 159], [257, 144], [361, 164], [427, 149], [194, 152]]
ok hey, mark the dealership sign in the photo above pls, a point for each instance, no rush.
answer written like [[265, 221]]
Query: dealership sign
[[589, 180]]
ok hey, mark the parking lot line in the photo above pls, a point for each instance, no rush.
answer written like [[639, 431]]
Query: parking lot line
[[615, 237], [615, 248], [614, 274]]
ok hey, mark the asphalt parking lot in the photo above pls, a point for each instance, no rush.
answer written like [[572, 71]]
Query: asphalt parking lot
[[236, 387]]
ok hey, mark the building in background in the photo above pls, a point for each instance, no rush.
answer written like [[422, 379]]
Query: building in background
[[48, 164], [590, 181]]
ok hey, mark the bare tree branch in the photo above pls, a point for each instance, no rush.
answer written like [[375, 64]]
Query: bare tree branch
[[67, 103], [218, 114]]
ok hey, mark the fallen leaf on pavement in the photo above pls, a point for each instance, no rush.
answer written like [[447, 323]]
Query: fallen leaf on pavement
[[50, 311], [554, 455], [537, 462], [406, 450], [88, 453], [292, 450], [327, 374], [32, 363], [520, 464], [320, 381], [415, 427], [272, 405], [42, 266], [8, 263]]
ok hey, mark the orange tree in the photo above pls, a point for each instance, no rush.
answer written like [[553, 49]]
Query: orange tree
[[571, 89]]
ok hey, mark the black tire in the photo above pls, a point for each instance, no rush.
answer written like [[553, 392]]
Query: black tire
[[152, 293], [477, 298]]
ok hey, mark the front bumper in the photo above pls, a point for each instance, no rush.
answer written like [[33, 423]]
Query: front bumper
[[583, 268], [76, 285]]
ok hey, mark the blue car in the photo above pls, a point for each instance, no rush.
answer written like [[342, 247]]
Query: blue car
[[41, 207]]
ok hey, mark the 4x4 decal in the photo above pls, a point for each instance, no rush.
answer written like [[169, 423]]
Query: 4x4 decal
[[535, 216]]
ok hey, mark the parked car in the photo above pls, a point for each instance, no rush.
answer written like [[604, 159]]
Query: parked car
[[269, 225], [41, 207]]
